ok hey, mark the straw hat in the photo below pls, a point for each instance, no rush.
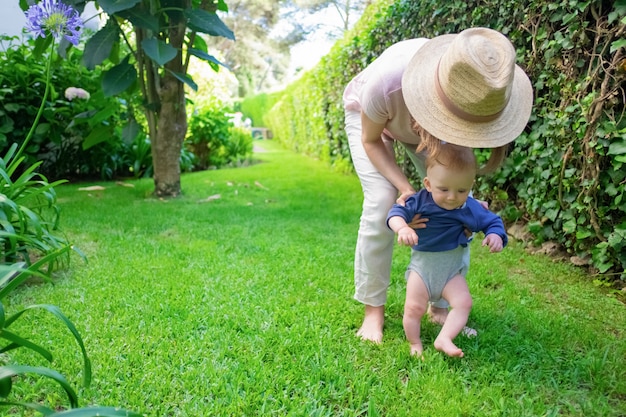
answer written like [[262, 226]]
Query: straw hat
[[466, 89]]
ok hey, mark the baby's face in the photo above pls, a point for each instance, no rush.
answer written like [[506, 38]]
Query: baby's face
[[449, 188]]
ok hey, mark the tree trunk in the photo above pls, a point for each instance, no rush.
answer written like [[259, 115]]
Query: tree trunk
[[171, 123], [171, 131]]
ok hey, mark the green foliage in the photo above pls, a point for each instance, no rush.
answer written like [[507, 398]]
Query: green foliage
[[29, 213], [11, 277], [68, 140], [255, 107], [565, 174], [214, 140]]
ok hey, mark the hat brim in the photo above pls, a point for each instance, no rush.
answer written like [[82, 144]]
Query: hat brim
[[424, 104]]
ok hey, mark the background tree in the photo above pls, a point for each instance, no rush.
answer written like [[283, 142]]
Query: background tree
[[146, 45]]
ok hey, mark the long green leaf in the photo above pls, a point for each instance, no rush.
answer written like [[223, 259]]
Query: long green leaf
[[14, 370], [185, 79], [207, 22], [57, 312], [203, 55], [158, 51], [97, 411], [17, 342], [37, 407], [32, 270]]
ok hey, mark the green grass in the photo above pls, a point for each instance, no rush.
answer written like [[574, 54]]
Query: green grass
[[242, 306]]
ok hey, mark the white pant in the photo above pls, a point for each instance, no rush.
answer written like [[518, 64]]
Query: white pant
[[375, 241]]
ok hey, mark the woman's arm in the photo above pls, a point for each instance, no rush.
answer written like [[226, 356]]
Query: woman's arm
[[382, 158]]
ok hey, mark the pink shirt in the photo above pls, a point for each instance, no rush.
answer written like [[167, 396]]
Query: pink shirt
[[377, 90]]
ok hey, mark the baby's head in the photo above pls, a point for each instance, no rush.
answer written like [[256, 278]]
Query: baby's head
[[450, 174]]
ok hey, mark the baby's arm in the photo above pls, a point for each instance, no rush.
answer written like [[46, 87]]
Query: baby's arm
[[406, 235], [494, 242]]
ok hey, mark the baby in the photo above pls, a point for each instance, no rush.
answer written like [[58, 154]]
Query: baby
[[440, 252]]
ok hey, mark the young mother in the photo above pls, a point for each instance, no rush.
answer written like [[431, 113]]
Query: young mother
[[461, 88]]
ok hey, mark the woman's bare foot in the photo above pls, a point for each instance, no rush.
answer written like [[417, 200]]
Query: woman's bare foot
[[437, 315], [446, 346], [372, 328]]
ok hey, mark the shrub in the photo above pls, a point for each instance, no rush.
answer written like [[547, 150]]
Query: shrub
[[215, 140]]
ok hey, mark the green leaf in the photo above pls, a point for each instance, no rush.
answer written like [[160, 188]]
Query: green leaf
[[114, 6], [99, 46], [620, 43], [159, 51], [141, 17], [17, 341], [5, 386], [185, 79], [98, 135], [118, 78], [617, 147], [97, 411], [198, 43], [206, 22], [14, 370], [206, 57]]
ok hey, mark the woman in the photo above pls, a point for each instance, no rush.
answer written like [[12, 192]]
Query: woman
[[463, 89]]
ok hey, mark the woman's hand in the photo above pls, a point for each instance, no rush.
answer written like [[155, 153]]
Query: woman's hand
[[402, 199], [418, 222]]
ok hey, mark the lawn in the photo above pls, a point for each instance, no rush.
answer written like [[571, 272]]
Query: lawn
[[236, 300]]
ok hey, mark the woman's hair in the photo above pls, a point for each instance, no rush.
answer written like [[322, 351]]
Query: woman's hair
[[433, 147]]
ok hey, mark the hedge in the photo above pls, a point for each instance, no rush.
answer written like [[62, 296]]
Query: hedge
[[565, 177]]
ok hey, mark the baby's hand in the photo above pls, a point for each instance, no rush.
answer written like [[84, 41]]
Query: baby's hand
[[494, 242], [407, 236]]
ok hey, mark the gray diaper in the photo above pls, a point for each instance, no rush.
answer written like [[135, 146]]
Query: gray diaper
[[437, 268]]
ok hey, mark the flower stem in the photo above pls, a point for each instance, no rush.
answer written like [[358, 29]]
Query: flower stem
[[43, 103]]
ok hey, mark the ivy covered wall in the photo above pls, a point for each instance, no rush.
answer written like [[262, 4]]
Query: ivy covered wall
[[565, 177]]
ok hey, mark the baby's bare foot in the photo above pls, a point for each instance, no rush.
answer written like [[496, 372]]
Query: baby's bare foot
[[437, 315], [417, 350], [371, 330], [446, 346]]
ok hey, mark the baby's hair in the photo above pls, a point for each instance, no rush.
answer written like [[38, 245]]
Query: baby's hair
[[453, 157], [433, 146]]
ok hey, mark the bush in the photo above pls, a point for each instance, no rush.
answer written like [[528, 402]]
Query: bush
[[214, 140], [66, 140]]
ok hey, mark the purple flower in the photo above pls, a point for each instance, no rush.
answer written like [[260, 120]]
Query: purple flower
[[54, 18]]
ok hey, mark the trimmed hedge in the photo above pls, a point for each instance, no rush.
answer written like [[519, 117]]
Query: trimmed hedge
[[565, 177]]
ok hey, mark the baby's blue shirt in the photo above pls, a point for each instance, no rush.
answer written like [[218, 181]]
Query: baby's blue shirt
[[445, 229]]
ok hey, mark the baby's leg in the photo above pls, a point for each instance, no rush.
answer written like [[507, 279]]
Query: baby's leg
[[414, 308], [458, 295]]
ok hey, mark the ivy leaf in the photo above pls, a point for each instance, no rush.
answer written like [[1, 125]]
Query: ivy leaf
[[114, 6], [159, 51], [206, 22], [118, 78], [99, 46], [620, 43], [617, 147]]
